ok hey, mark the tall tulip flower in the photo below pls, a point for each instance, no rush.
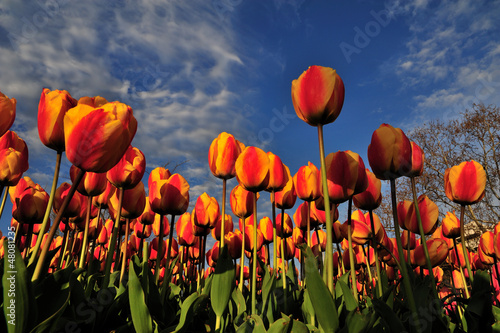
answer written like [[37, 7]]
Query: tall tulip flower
[[429, 213], [207, 211], [7, 113], [29, 207], [241, 202], [307, 182], [438, 251], [92, 184], [252, 172], [128, 172], [451, 225], [371, 198], [465, 184]]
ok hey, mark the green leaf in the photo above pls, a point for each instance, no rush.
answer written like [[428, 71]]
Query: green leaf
[[280, 326], [222, 283], [188, 310], [239, 300], [350, 301], [357, 322], [138, 309], [253, 324], [18, 299], [321, 299]]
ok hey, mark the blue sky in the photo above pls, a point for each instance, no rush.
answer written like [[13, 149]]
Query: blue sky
[[191, 69]]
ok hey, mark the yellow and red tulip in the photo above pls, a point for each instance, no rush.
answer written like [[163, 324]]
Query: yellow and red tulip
[[371, 198], [92, 184], [7, 113], [318, 95], [185, 230], [169, 196], [438, 251], [52, 108], [13, 158], [417, 161], [266, 227], [307, 182], [429, 214], [241, 202], [128, 172], [29, 207], [222, 155], [286, 197], [217, 229], [75, 204], [389, 153], [285, 230], [97, 137], [450, 225], [465, 183], [134, 202], [278, 175], [207, 211], [252, 169]]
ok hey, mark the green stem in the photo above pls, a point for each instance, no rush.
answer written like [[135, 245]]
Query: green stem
[[49, 207], [368, 267], [64, 247], [83, 254], [4, 199], [283, 274], [217, 324], [124, 252], [460, 268], [112, 242], [242, 259], [464, 246], [254, 257], [404, 269], [329, 223], [422, 238], [223, 219], [43, 256], [159, 249], [275, 238], [94, 241], [375, 252], [354, 285], [169, 249]]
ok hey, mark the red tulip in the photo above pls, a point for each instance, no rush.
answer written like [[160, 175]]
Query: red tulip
[[266, 227], [429, 213], [97, 138], [465, 183], [403, 208], [52, 108], [7, 113], [169, 196], [285, 198], [128, 172], [371, 198], [241, 202], [185, 230], [307, 182], [13, 158], [318, 95], [278, 176], [451, 225], [207, 211], [29, 207], [438, 251], [252, 169], [222, 155], [102, 199], [75, 204], [233, 241], [92, 184], [417, 161], [389, 152]]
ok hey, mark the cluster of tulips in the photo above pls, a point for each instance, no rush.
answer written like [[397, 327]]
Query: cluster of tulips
[[107, 172]]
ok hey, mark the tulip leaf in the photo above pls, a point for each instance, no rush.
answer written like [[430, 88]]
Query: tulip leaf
[[18, 299], [321, 298], [280, 326], [253, 324], [350, 301], [139, 311], [188, 309], [222, 283]]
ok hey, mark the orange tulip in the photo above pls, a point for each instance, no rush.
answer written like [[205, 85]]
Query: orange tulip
[[289, 248], [266, 227], [345, 174], [241, 202], [403, 208], [455, 260], [287, 228], [207, 211], [169, 196], [438, 233], [371, 198], [298, 236], [429, 213], [412, 239], [465, 183], [92, 184], [486, 244], [318, 95], [286, 197], [278, 176], [142, 230], [97, 138], [222, 155], [13, 158], [379, 228], [29, 207], [102, 199], [360, 231], [228, 226], [438, 251], [249, 242], [321, 241], [148, 216], [128, 172], [417, 160], [7, 113], [299, 217], [198, 231], [451, 225], [307, 182], [75, 204], [185, 230], [252, 169], [158, 174], [52, 108], [337, 236], [233, 241], [156, 225], [134, 202], [389, 152]]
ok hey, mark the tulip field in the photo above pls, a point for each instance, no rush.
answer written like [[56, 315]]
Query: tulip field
[[110, 253]]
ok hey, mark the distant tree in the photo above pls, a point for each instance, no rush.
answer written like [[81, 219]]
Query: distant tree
[[475, 135]]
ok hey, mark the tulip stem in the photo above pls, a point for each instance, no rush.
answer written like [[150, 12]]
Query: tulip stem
[[375, 253], [124, 252], [403, 267], [275, 239], [143, 239], [112, 242], [354, 286], [329, 223], [83, 254], [169, 249], [422, 238], [64, 245], [41, 261], [158, 251], [341, 260], [49, 207], [96, 235], [460, 267], [242, 259], [308, 223], [283, 258], [223, 219], [4, 198], [254, 257], [464, 246], [368, 267]]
